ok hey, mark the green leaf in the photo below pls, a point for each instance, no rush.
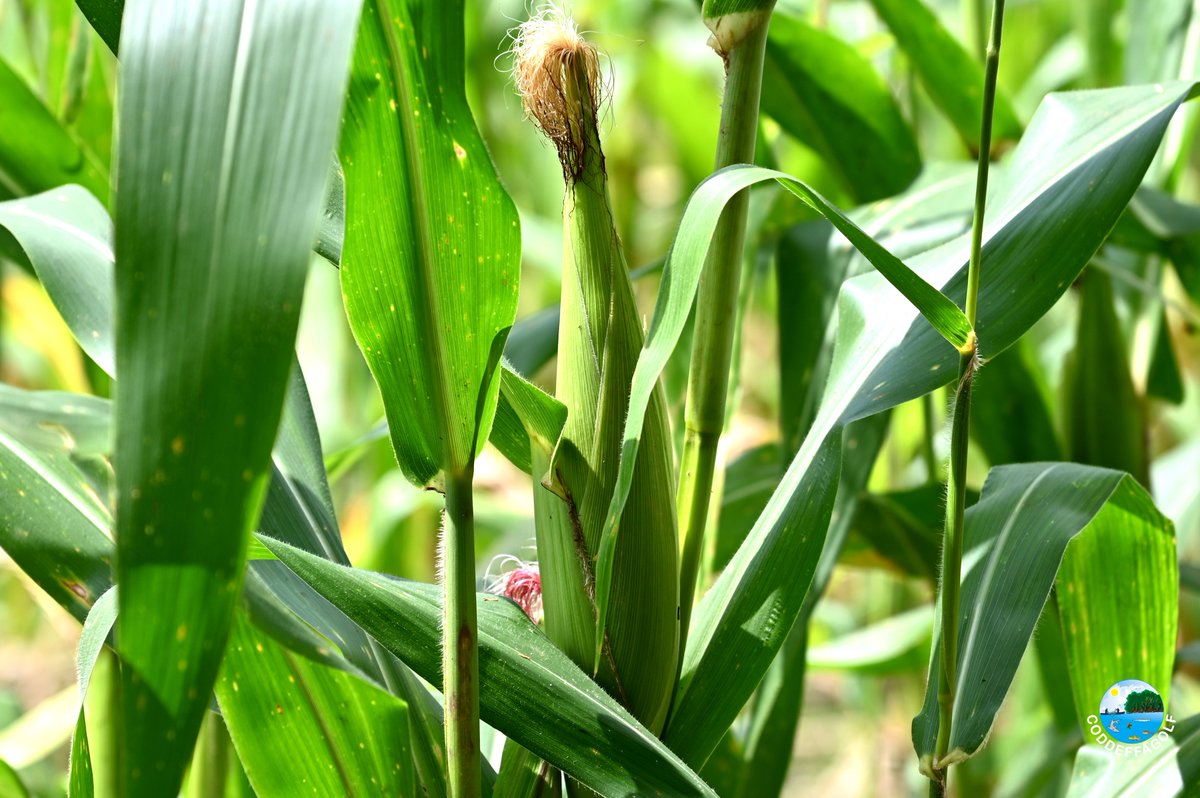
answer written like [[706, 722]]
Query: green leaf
[[331, 232], [36, 152], [1031, 519], [54, 519], [1156, 44], [952, 77], [749, 482], [1172, 770], [822, 91], [95, 632], [529, 424], [67, 236], [11, 785], [1010, 419], [1103, 412], [1066, 184], [525, 775], [779, 698], [533, 341], [205, 305], [296, 722], [1106, 634], [904, 528], [1164, 379], [894, 645], [65, 430], [431, 261], [529, 689], [105, 18], [807, 276], [681, 276]]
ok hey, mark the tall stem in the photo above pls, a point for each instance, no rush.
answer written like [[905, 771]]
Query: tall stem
[[716, 313], [952, 545], [460, 663]]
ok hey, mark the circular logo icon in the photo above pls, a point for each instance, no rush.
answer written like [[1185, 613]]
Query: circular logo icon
[[1131, 712]]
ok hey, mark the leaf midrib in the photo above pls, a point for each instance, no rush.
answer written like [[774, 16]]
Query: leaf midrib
[[429, 310]]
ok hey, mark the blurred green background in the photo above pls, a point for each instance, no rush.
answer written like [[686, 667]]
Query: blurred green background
[[660, 123]]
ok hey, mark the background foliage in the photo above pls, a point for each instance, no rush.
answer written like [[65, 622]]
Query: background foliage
[[867, 102]]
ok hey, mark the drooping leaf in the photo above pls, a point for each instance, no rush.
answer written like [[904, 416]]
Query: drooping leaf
[[96, 628], [431, 259], [67, 236], [203, 305], [1049, 213], [952, 77], [529, 689], [820, 90], [681, 277], [1032, 519]]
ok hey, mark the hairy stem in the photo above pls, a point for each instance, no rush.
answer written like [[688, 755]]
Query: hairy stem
[[952, 544], [716, 313], [460, 662]]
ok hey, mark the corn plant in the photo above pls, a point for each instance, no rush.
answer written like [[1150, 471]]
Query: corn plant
[[657, 618]]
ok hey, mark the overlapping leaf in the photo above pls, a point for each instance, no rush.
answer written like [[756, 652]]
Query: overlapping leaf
[[952, 77], [302, 723], [1064, 188], [530, 690], [820, 90]]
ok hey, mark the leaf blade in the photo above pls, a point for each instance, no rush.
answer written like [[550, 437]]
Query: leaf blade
[[199, 142]]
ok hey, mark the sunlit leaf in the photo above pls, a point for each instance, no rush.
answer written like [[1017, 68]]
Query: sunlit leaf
[[529, 689], [203, 305], [1049, 213], [1030, 519]]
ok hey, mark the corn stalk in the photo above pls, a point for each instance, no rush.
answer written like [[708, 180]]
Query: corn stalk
[[600, 336]]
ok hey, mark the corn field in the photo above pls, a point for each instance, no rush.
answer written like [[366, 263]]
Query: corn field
[[731, 398]]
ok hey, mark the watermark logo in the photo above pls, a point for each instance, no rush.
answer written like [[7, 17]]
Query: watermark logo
[[1131, 720]]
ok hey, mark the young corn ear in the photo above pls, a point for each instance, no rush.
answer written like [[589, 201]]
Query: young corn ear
[[600, 335]]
